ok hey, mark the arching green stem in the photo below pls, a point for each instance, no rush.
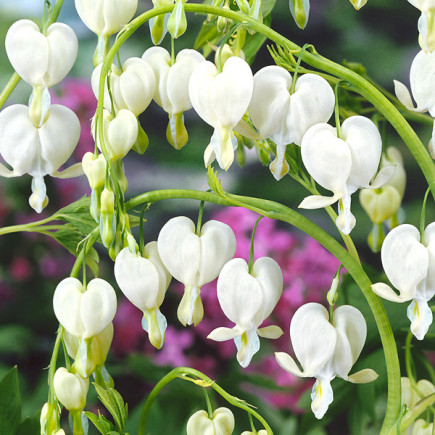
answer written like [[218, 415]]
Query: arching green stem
[[202, 380], [278, 211]]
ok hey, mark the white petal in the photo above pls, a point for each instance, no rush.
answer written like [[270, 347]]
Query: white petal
[[270, 101], [287, 363], [363, 376], [28, 51], [351, 330], [272, 332], [321, 396], [59, 136], [66, 305], [384, 176], [429, 240], [240, 294], [178, 79], [117, 13], [326, 157], [422, 79], [421, 317], [248, 344], [63, 49], [179, 249], [138, 279], [97, 307], [386, 292], [224, 334], [73, 171], [217, 247], [137, 85], [19, 141], [365, 144], [405, 259], [269, 275], [404, 96], [313, 337], [151, 253], [91, 14], [318, 201], [312, 103]]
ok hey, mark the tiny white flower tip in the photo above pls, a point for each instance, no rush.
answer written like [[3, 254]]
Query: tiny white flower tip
[[386, 292], [321, 396]]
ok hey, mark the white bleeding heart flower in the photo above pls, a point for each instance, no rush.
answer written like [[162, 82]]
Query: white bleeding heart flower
[[70, 389], [38, 150], [132, 88], [221, 423], [410, 266], [343, 165], [144, 281], [106, 17], [285, 117], [221, 100], [426, 25], [410, 396], [247, 298], [84, 313], [119, 132], [41, 60], [172, 87], [326, 350], [194, 260]]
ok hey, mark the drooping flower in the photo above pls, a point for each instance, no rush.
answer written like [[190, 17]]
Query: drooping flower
[[106, 17], [144, 281], [132, 88], [84, 314], [119, 132], [194, 260], [172, 87], [38, 150], [221, 100], [70, 389], [426, 25], [285, 116], [343, 165], [221, 423], [409, 264], [247, 298], [41, 60], [326, 350]]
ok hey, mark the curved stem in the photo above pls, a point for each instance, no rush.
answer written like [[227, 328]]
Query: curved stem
[[278, 211], [10, 86], [184, 373]]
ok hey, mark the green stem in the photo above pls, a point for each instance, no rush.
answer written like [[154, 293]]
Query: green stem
[[55, 12], [278, 211], [207, 400], [10, 86], [251, 250], [184, 373], [76, 417], [52, 369], [93, 237]]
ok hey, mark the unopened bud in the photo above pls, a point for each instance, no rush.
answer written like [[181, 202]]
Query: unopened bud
[[358, 4], [70, 389], [222, 422], [107, 217], [300, 10], [177, 23], [176, 132]]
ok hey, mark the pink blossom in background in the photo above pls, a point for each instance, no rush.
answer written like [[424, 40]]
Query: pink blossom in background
[[20, 269], [173, 351]]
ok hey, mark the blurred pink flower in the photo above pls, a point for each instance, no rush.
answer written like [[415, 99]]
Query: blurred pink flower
[[20, 269], [128, 330], [173, 351]]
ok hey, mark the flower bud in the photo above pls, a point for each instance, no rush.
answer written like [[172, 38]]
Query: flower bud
[[95, 170], [107, 217], [221, 423], [358, 4], [300, 10], [380, 204], [177, 23], [70, 389], [49, 423]]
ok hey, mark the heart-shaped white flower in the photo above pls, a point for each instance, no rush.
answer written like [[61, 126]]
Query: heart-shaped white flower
[[343, 165], [106, 17], [41, 60], [285, 117], [326, 350], [221, 423], [84, 314], [144, 281], [38, 150], [194, 259], [132, 88], [410, 266], [221, 100], [247, 298], [120, 133], [70, 389]]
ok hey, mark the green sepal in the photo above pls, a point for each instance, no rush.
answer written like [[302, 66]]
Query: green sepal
[[142, 141]]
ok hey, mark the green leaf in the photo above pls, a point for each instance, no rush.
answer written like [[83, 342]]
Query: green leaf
[[207, 36], [114, 403], [255, 42], [15, 339], [100, 422], [267, 7], [78, 215], [29, 426], [10, 403]]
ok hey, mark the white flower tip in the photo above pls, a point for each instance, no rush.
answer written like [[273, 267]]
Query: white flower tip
[[363, 376], [421, 317], [383, 177], [321, 396], [402, 93], [272, 332], [386, 292], [318, 201], [287, 363]]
